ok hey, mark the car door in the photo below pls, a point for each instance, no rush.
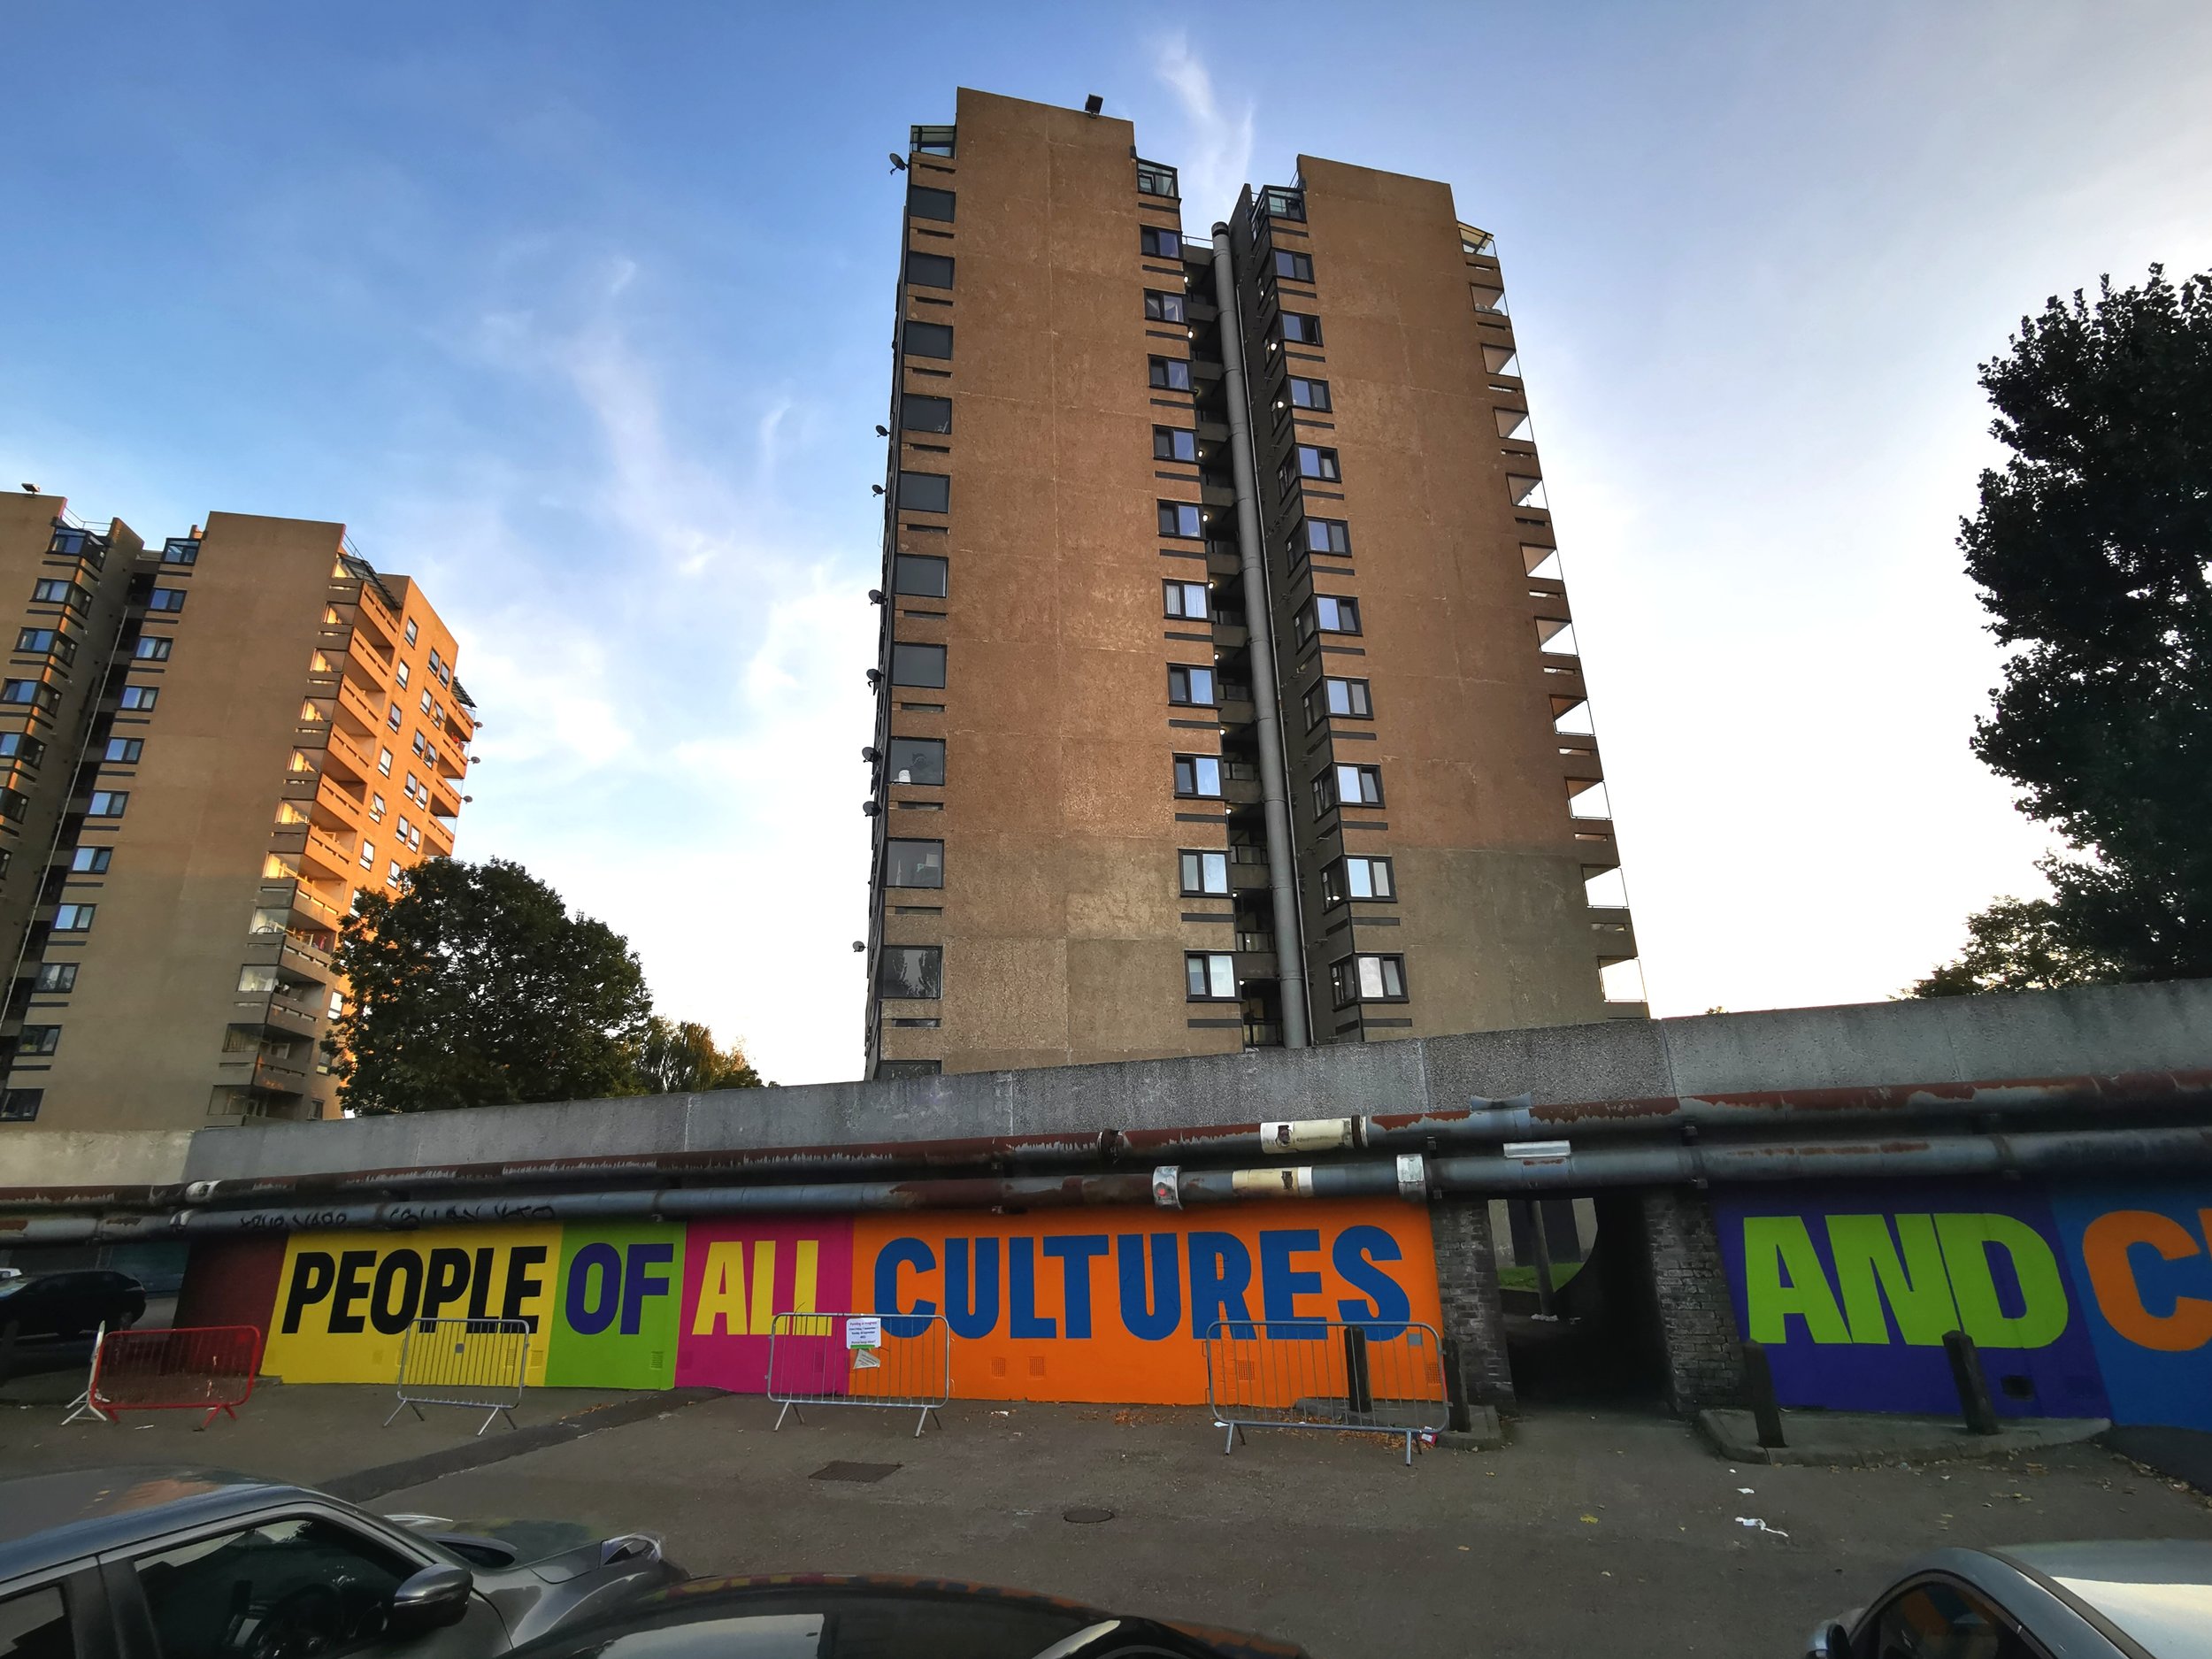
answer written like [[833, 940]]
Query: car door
[[301, 1584], [1940, 1618], [57, 1614]]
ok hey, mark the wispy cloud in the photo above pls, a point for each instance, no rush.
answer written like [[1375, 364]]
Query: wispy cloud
[[1217, 161]]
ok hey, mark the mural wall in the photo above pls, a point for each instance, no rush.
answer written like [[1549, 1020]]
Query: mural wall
[[2084, 1300], [1077, 1305]]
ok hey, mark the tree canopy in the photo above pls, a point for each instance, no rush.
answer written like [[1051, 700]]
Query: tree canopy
[[679, 1058], [474, 986], [2093, 547]]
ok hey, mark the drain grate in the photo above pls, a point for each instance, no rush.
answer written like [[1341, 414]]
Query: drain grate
[[1087, 1516], [853, 1471]]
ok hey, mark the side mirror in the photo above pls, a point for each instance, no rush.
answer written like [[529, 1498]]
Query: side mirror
[[1830, 1642], [432, 1599]]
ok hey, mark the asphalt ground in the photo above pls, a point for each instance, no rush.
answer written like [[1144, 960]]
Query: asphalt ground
[[1591, 1532]]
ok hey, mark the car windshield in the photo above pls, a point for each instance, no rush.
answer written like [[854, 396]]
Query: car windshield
[[9, 1286]]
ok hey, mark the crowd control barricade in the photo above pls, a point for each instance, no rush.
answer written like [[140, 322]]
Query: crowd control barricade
[[477, 1365], [1370, 1376], [195, 1368], [903, 1361]]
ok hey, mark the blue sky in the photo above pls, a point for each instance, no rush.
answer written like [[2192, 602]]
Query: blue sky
[[580, 314]]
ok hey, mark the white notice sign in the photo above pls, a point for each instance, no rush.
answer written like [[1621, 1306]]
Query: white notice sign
[[864, 1333]]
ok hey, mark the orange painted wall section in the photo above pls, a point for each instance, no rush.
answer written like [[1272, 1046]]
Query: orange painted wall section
[[1114, 1304]]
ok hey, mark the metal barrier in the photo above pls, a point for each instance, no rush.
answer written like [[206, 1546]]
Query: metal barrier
[[1369, 1377], [477, 1364], [209, 1368], [898, 1360]]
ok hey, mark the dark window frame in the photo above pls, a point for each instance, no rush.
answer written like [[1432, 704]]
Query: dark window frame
[[924, 492], [921, 340], [1175, 515], [1162, 305], [1164, 372], [919, 562], [891, 766], [1185, 858], [917, 260], [911, 402], [903, 662], [1159, 242], [923, 201], [1194, 762], [927, 957], [1183, 678], [892, 842], [1191, 959]]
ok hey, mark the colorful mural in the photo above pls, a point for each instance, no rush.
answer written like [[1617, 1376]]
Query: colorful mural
[[1076, 1305], [2089, 1301]]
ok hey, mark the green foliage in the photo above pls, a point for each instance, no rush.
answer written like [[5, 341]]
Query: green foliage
[[2017, 945], [474, 986], [2093, 550], [679, 1058]]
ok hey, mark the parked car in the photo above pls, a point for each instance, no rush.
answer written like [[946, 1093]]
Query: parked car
[[185, 1563], [71, 1304], [2113, 1600], [827, 1616]]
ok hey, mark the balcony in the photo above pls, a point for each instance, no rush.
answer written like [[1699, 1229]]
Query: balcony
[[437, 838], [335, 808], [367, 664], [323, 858], [346, 759], [355, 713], [445, 799]]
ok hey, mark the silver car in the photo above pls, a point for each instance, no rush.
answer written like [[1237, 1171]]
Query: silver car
[[2113, 1600], [188, 1563]]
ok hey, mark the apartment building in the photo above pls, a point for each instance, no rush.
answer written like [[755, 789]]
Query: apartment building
[[256, 725], [1227, 694]]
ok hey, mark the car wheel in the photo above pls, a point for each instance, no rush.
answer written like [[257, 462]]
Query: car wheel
[[125, 1318]]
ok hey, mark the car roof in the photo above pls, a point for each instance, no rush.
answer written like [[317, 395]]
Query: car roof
[[2158, 1591], [48, 1519]]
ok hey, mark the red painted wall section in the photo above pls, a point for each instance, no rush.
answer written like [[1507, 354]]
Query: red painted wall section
[[231, 1281]]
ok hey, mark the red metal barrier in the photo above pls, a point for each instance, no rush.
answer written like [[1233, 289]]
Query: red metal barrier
[[210, 1367]]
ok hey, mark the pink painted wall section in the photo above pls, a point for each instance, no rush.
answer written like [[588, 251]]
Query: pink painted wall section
[[737, 1275]]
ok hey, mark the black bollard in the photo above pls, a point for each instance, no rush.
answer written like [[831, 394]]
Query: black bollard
[[1966, 1375], [1458, 1415], [1759, 1382], [1359, 1392]]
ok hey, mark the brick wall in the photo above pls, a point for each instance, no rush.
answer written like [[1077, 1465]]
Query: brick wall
[[1467, 1288], [1704, 1361]]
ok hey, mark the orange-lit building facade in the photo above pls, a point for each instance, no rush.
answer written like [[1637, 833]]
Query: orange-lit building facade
[[257, 727]]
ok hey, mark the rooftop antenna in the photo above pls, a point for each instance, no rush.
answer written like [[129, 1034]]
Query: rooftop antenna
[[898, 162]]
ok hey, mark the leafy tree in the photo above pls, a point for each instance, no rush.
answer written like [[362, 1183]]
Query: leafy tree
[[2093, 550], [679, 1058], [474, 986], [2017, 945]]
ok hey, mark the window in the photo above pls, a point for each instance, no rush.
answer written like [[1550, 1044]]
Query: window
[[929, 270], [1308, 393], [1155, 241], [1328, 535], [20, 1105], [1358, 879], [1186, 600], [1342, 699], [910, 972], [1180, 519], [1284, 204], [33, 1039], [933, 140], [1161, 307], [140, 696], [426, 700], [53, 591], [922, 574], [1297, 267], [1329, 613], [1938, 1619], [917, 760], [928, 339], [15, 806], [917, 664], [1319, 463], [179, 550], [153, 648], [58, 976], [410, 631], [1210, 976], [1174, 444], [124, 752], [166, 599], [924, 492], [918, 413], [438, 667], [73, 918], [36, 640], [1302, 329], [1190, 687], [90, 861], [19, 690], [908, 864], [925, 203], [1369, 979], [1346, 785], [339, 1583], [22, 747], [108, 802], [1198, 776], [368, 854], [376, 809], [1154, 180], [400, 673], [391, 875], [1170, 374], [1205, 872], [384, 758], [395, 717], [909, 1068]]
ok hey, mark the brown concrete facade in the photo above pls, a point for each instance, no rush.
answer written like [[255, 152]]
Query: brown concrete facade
[[1426, 464], [281, 729], [1064, 452]]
